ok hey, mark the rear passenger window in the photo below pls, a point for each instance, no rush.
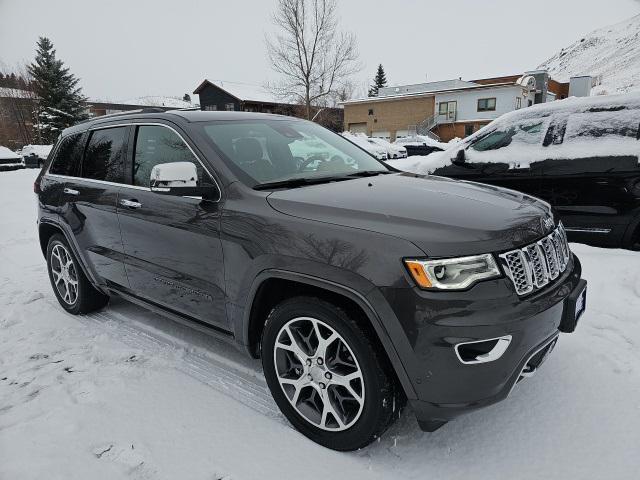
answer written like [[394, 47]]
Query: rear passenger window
[[67, 155], [606, 124], [156, 145], [104, 157]]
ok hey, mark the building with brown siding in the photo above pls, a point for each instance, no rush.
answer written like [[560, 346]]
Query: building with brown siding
[[450, 108]]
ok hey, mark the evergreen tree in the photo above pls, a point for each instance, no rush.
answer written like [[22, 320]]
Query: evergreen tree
[[61, 103], [187, 97], [379, 81]]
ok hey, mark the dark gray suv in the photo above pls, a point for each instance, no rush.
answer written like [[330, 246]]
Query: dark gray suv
[[359, 287]]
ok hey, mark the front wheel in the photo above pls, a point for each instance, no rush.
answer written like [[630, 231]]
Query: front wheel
[[327, 375]]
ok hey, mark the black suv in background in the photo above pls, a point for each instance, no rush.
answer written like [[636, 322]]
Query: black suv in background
[[359, 287], [580, 155]]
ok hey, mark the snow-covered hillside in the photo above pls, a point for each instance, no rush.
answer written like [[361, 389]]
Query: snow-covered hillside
[[126, 394], [611, 52]]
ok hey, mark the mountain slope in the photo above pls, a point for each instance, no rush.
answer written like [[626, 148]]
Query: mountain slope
[[612, 53]]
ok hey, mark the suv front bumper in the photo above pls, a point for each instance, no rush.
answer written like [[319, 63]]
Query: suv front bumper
[[434, 322]]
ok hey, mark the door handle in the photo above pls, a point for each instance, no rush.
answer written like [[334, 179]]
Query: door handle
[[71, 191], [130, 203]]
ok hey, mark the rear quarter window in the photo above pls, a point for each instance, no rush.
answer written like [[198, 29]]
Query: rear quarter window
[[66, 156]]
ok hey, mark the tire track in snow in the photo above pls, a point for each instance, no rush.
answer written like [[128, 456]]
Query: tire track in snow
[[224, 375]]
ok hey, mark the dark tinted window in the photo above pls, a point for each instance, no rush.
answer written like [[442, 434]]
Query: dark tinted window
[[156, 145], [104, 157], [66, 156]]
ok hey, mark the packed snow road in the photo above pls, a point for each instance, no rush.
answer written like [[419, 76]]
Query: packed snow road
[[124, 393]]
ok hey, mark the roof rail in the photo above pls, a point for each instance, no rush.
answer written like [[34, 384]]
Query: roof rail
[[186, 109], [126, 112]]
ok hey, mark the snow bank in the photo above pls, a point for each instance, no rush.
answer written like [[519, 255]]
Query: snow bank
[[124, 393]]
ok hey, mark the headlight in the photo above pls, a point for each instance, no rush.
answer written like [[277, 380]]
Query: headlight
[[453, 273]]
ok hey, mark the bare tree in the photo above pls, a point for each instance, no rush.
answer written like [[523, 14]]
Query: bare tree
[[314, 58]]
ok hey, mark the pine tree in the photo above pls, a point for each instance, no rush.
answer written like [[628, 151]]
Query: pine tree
[[61, 103], [379, 81]]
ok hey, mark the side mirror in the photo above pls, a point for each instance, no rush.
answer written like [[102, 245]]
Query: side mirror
[[460, 157], [180, 179]]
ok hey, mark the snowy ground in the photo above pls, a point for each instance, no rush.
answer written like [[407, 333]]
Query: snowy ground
[[127, 394]]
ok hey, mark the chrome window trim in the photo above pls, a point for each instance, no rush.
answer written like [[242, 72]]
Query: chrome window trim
[[137, 187], [587, 230]]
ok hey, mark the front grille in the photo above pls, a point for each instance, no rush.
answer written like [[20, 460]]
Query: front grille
[[534, 266]]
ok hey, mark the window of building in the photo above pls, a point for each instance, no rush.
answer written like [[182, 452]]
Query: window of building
[[443, 108], [518, 103], [104, 157], [66, 156], [211, 108], [486, 104], [154, 145], [468, 129], [371, 111], [229, 106]]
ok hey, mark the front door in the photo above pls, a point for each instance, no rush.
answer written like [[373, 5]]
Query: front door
[[173, 252]]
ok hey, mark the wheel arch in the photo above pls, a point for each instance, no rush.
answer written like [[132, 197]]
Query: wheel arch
[[48, 228], [272, 286]]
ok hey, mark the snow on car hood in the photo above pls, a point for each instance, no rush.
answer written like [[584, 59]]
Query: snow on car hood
[[441, 216]]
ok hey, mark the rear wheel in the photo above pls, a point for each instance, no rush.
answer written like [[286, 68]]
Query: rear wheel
[[326, 374], [70, 285]]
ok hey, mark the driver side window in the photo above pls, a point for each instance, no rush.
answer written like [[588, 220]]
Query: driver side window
[[156, 144], [529, 133]]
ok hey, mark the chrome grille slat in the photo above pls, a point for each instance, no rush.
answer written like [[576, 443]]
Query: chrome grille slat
[[536, 265]]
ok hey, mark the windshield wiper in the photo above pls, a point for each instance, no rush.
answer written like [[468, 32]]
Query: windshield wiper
[[369, 173], [296, 182]]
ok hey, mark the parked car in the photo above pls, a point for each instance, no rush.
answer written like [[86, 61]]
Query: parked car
[[420, 145], [580, 155], [393, 151], [34, 156], [358, 286], [363, 142], [9, 160]]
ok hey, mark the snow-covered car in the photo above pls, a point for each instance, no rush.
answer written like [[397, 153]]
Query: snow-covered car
[[579, 154], [9, 160], [393, 151], [364, 142], [420, 145], [34, 156]]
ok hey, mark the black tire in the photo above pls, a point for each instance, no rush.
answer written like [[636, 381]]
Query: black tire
[[87, 299], [382, 399]]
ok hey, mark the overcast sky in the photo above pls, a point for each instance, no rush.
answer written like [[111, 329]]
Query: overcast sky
[[123, 49]]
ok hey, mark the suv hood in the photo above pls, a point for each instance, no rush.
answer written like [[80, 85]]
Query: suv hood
[[441, 216]]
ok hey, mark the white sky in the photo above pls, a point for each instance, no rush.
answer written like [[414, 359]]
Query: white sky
[[129, 48]]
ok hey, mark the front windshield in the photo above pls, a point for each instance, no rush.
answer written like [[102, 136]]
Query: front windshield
[[266, 151]]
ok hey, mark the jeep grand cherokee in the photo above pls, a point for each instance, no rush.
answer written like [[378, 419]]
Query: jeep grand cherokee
[[358, 286]]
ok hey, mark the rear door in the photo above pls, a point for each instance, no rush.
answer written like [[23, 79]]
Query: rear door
[[172, 243], [89, 201], [592, 174]]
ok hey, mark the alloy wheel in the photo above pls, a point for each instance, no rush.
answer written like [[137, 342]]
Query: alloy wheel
[[319, 374], [65, 276]]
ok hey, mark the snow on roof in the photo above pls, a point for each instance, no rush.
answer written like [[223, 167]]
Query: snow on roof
[[159, 101], [246, 91], [426, 87], [41, 151], [6, 154]]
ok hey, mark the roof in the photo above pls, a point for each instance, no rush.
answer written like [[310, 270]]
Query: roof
[[428, 92], [426, 87], [245, 92]]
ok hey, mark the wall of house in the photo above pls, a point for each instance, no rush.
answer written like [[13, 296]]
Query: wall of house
[[388, 116], [213, 96], [467, 107], [449, 131]]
